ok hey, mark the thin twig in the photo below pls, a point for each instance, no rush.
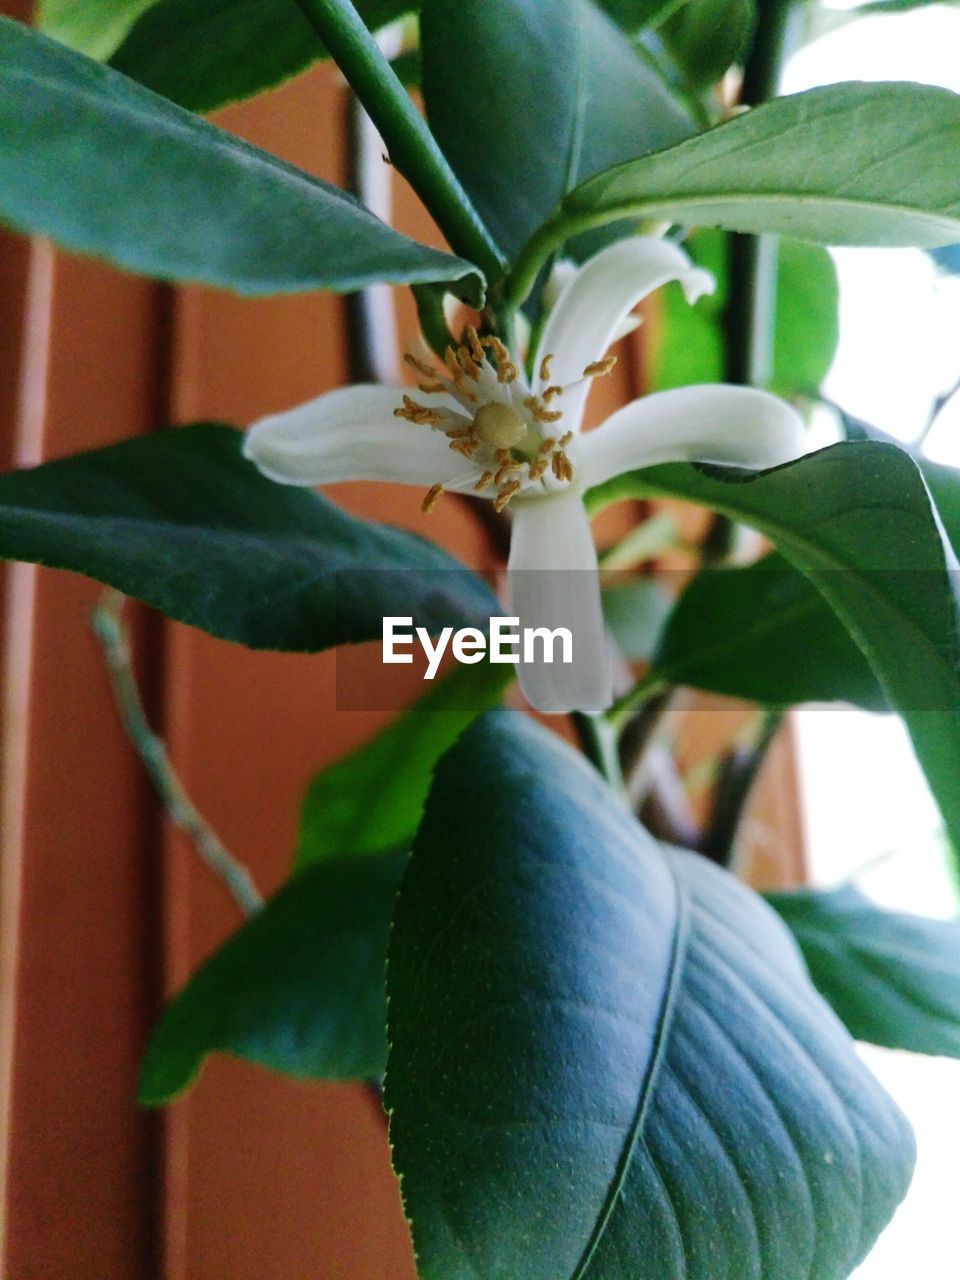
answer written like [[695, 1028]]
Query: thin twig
[[109, 629]]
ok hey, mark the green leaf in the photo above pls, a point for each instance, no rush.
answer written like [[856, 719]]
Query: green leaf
[[708, 36], [105, 167], [606, 1061], [893, 979], [299, 988], [856, 518], [845, 164], [205, 53], [687, 344], [764, 633], [634, 14], [182, 520], [572, 98], [373, 798], [94, 27]]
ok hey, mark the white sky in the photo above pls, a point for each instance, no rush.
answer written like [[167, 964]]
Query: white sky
[[865, 797]]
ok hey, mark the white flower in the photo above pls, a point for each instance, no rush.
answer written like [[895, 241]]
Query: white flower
[[478, 426]]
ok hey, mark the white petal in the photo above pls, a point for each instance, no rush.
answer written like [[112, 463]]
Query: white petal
[[594, 302], [736, 426], [351, 434], [553, 582]]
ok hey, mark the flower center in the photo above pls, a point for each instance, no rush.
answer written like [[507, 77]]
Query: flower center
[[499, 426]]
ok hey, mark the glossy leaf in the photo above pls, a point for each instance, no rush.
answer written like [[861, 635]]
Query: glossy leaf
[[845, 164], [94, 27], [635, 613], [299, 988], [182, 520], [856, 518], [606, 1061], [764, 633], [205, 53], [373, 798], [108, 168], [894, 979], [572, 97]]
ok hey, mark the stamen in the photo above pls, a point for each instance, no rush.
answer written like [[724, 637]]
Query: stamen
[[561, 465], [505, 494], [434, 494], [468, 364], [537, 469], [540, 410], [414, 412], [507, 469], [430, 388], [485, 479], [466, 447], [420, 366], [545, 369], [600, 368], [550, 392], [549, 443], [507, 371], [565, 439], [476, 350]]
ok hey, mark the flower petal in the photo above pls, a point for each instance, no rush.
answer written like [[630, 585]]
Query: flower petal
[[351, 434], [735, 426], [596, 299], [553, 582]]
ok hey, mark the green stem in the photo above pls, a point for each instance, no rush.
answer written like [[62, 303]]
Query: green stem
[[599, 742], [412, 147], [626, 707], [109, 630]]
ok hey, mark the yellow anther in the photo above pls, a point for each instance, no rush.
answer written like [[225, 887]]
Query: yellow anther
[[549, 443], [537, 469], [420, 366], [434, 495], [466, 447], [499, 425], [600, 368], [507, 469], [561, 465], [453, 364], [545, 368], [430, 388], [468, 364], [476, 350], [507, 371], [485, 479], [505, 494], [550, 392], [414, 412], [540, 410], [503, 455], [565, 439]]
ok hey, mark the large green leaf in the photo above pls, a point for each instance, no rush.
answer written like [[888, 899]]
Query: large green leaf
[[204, 53], [606, 1061], [894, 979], [106, 167], [687, 344], [183, 521], [845, 164], [572, 98], [299, 988], [373, 798], [856, 518], [94, 27], [764, 633]]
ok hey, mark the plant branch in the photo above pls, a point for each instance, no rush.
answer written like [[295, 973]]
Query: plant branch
[[412, 147], [109, 629]]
